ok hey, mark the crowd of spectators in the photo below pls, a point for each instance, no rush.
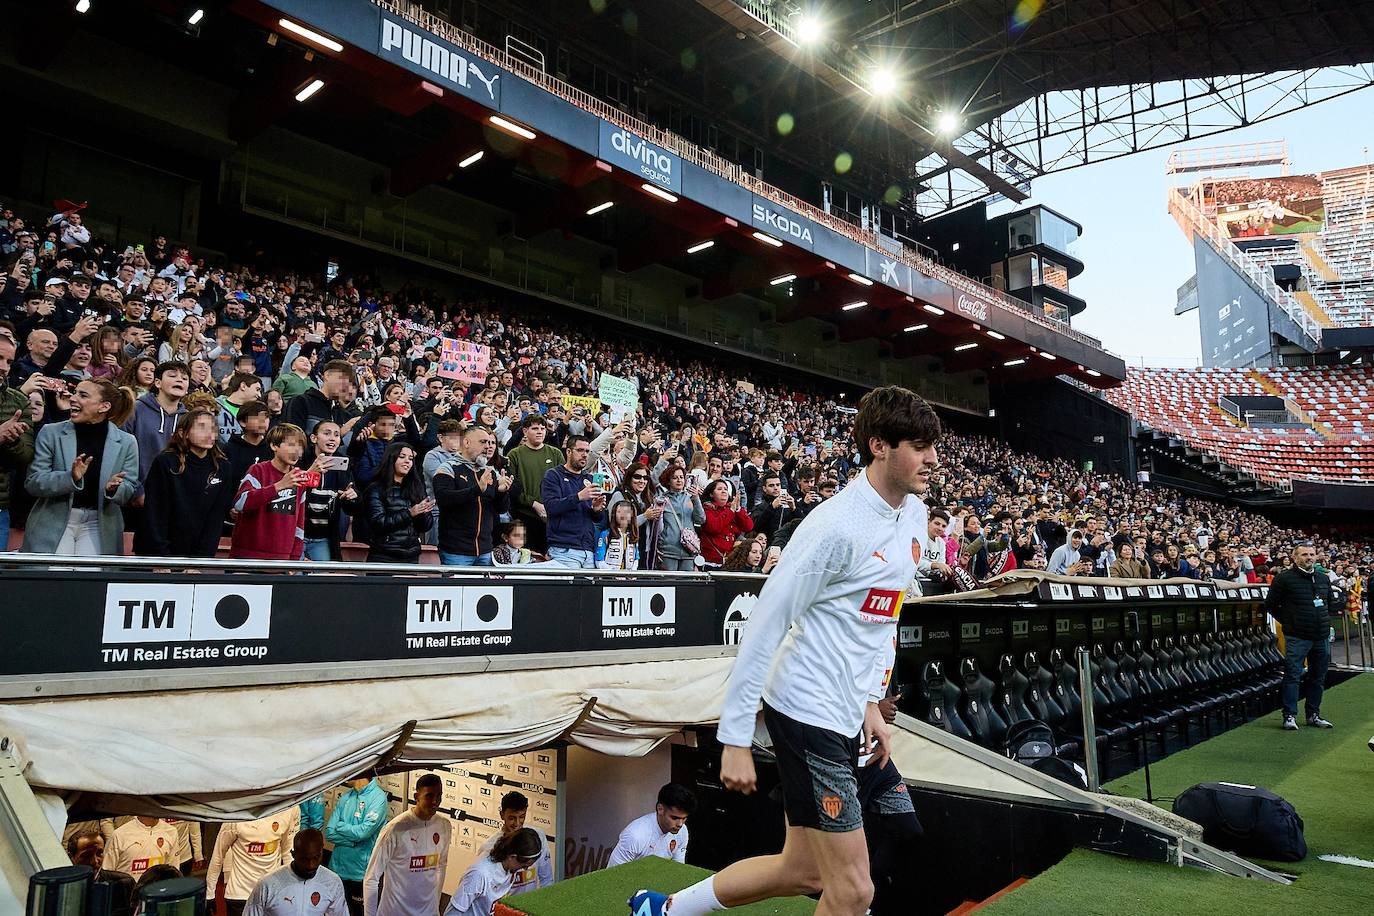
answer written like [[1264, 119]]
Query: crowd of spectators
[[186, 402]]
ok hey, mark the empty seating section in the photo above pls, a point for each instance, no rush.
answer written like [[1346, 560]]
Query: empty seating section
[[1339, 402]]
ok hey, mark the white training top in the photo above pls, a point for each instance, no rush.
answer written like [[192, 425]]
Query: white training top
[[819, 639], [284, 893], [134, 848], [484, 883], [413, 855], [538, 875], [189, 841], [247, 852], [641, 838]]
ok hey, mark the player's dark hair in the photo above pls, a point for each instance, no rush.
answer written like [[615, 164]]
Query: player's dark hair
[[514, 801], [427, 780], [676, 795], [523, 843], [894, 414]]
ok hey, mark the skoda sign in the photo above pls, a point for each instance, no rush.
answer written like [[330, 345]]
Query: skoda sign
[[635, 154], [976, 309], [782, 224]]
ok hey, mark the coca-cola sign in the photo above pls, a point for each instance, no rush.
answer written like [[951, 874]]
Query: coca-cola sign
[[976, 309]]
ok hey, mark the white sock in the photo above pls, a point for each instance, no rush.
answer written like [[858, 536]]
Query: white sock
[[696, 900]]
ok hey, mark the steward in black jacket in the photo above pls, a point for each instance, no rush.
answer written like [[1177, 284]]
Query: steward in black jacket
[[1301, 601]]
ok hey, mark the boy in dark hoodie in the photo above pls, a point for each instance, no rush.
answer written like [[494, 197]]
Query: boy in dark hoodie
[[246, 448], [156, 414], [376, 429]]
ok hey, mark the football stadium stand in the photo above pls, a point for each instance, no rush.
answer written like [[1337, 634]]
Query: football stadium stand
[[1320, 436]]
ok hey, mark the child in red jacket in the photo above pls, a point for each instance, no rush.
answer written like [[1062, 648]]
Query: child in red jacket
[[271, 502]]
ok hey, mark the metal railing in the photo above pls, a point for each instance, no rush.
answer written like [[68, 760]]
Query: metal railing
[[50, 562], [1191, 217], [714, 163]]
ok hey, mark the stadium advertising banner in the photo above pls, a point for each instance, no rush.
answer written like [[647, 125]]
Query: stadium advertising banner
[[155, 622], [433, 58], [782, 223], [403, 43], [633, 153], [1258, 207], [1233, 318], [888, 270]]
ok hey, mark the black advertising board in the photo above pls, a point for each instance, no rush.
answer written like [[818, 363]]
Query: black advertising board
[[82, 623]]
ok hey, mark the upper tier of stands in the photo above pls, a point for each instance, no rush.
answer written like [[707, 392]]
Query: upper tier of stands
[[1337, 445], [1338, 263]]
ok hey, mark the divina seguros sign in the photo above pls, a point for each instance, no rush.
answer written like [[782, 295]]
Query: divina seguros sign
[[633, 153]]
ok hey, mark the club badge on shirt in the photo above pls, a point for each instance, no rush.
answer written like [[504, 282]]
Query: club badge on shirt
[[315, 899]]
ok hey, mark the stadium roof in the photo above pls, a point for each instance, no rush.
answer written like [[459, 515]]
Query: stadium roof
[[1042, 85], [973, 50]]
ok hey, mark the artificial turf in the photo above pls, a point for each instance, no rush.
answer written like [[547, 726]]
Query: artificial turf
[[1327, 775], [604, 893]]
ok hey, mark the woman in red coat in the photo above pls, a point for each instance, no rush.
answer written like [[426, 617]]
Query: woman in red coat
[[725, 520]]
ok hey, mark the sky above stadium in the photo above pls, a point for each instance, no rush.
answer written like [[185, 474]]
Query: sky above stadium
[[1136, 255]]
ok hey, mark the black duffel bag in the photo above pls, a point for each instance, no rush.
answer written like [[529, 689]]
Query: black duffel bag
[[1244, 819]]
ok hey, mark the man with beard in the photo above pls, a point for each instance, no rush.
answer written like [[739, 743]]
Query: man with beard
[[471, 494], [575, 505]]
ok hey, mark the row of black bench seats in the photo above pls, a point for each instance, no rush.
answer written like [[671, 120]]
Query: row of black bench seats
[[1170, 693]]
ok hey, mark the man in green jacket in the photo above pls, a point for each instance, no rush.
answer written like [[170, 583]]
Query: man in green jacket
[[295, 382], [529, 462], [16, 437]]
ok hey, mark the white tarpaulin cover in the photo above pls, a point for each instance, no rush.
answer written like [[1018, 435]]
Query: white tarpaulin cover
[[234, 753]]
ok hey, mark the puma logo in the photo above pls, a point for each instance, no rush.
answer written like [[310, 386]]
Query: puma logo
[[879, 555]]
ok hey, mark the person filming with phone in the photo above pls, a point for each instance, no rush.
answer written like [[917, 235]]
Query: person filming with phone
[[471, 494], [575, 503], [777, 507]]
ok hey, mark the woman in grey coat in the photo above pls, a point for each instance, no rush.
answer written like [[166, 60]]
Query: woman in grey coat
[[84, 469], [683, 511]]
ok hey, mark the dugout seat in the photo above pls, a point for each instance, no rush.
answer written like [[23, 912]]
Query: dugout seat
[[989, 728], [941, 696], [1011, 691], [1040, 695]]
